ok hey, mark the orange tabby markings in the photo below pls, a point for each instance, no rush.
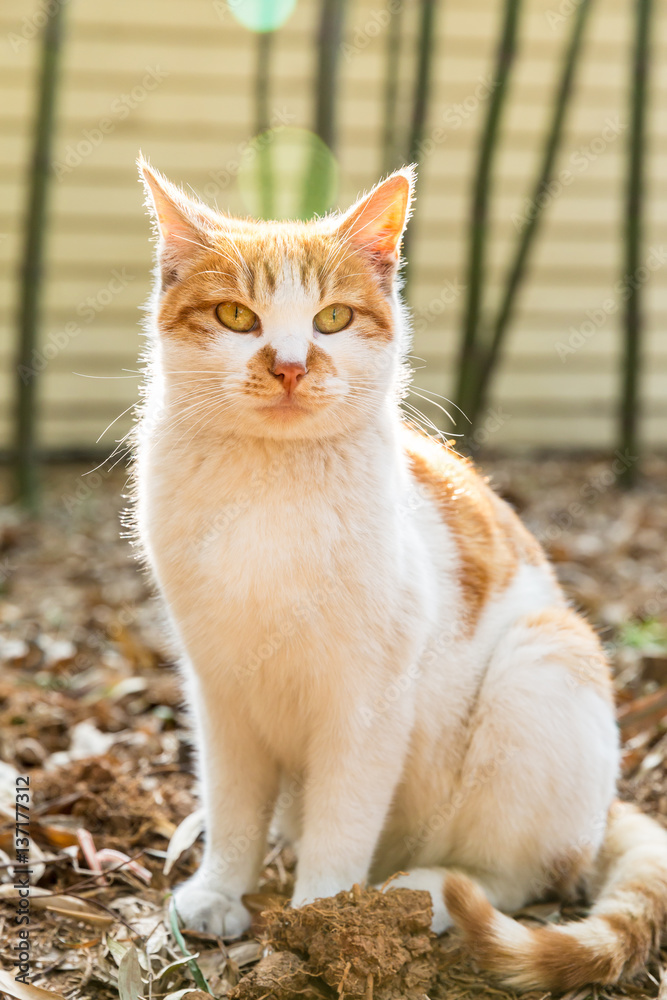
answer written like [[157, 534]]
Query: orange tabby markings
[[261, 381], [491, 540], [584, 657]]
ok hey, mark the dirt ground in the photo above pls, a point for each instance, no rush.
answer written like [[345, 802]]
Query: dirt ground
[[91, 712]]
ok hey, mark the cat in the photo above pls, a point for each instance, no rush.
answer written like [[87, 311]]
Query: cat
[[375, 650]]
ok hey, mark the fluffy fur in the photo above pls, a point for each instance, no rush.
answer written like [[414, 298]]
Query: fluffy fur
[[375, 650]]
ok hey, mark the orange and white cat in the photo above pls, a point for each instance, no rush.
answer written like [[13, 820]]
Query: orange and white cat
[[376, 652]]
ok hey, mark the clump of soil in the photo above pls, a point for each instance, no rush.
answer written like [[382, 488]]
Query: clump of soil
[[281, 976], [363, 943]]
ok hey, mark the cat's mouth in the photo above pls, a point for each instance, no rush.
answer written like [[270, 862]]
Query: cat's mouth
[[286, 404]]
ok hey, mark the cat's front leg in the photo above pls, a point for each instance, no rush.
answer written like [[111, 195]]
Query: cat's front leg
[[238, 787], [354, 767]]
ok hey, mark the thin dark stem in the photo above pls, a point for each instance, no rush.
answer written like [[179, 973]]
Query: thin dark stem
[[517, 270], [329, 40], [390, 113], [262, 122], [469, 357], [423, 78], [420, 103], [629, 415], [33, 264], [262, 77]]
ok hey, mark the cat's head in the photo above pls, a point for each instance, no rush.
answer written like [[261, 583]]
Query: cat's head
[[279, 329]]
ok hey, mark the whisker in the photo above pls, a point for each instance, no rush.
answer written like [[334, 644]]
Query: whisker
[[109, 426], [415, 392], [450, 401], [84, 375]]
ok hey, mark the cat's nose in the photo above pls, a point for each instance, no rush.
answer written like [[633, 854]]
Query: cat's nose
[[290, 373]]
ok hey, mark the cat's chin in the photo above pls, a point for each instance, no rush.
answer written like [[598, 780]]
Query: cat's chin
[[292, 421]]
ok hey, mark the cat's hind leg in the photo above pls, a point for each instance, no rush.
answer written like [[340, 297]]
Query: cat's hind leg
[[528, 811]]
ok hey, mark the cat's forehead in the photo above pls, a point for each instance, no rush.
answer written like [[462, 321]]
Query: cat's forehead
[[284, 261]]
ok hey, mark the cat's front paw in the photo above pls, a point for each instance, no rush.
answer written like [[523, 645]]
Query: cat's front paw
[[204, 909]]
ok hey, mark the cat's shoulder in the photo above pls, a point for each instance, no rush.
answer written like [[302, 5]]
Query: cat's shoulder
[[491, 539]]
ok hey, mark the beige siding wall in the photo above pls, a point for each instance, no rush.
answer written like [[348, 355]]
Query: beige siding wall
[[193, 121]]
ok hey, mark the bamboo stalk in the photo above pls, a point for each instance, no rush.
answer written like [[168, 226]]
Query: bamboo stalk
[[420, 103], [329, 41], [423, 78], [634, 219], [390, 105], [469, 355], [262, 122], [262, 77], [31, 275], [330, 34], [517, 270]]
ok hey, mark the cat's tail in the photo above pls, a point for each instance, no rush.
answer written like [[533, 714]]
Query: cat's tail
[[624, 924]]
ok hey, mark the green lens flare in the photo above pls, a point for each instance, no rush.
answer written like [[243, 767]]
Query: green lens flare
[[287, 173], [261, 15]]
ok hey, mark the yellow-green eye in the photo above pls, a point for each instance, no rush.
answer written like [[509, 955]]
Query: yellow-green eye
[[236, 317], [333, 319]]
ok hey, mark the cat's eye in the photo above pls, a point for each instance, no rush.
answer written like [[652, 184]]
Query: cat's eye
[[236, 316], [333, 319]]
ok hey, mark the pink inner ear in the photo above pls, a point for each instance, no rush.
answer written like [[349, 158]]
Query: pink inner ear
[[377, 224]]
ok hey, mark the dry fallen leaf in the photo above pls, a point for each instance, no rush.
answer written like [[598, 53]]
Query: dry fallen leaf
[[130, 984], [183, 838], [25, 991]]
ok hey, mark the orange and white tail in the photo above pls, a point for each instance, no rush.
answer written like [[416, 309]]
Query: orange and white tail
[[624, 924]]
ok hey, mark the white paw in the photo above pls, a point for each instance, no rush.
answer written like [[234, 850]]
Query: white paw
[[209, 911]]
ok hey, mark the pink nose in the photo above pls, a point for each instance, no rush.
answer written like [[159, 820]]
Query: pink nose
[[289, 372]]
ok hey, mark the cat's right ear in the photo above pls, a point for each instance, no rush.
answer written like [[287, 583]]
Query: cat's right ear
[[182, 224]]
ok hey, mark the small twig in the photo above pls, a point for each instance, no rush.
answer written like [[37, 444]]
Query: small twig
[[91, 881], [340, 989]]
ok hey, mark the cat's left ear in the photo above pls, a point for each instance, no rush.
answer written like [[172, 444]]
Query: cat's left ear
[[375, 225], [183, 224]]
